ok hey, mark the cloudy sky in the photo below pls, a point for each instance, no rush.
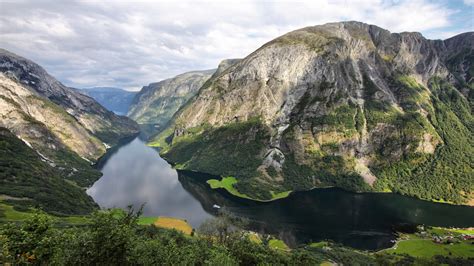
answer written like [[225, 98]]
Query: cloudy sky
[[130, 44]]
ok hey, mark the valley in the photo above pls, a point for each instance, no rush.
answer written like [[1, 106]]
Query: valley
[[114, 99], [50, 136], [342, 143], [318, 221]]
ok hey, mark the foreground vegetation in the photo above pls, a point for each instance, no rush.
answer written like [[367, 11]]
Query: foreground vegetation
[[112, 239], [174, 223], [116, 237], [28, 181]]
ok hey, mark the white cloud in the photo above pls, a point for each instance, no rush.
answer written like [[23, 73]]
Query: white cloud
[[469, 2], [130, 44]]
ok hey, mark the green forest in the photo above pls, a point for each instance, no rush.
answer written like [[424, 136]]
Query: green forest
[[114, 237], [27, 181], [447, 175]]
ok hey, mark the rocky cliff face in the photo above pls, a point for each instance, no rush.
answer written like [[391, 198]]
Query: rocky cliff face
[[224, 65], [157, 102], [58, 122], [91, 115], [342, 104]]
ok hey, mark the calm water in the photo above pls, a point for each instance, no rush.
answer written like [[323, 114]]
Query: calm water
[[135, 174]]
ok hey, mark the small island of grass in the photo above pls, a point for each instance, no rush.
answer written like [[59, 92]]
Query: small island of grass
[[280, 195], [228, 182]]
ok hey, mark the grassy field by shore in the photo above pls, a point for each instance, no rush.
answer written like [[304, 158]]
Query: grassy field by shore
[[174, 223], [167, 223], [278, 244], [228, 182], [435, 241], [428, 244], [144, 220], [9, 214]]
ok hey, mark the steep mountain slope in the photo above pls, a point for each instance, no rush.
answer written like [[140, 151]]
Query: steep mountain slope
[[224, 65], [342, 104], [114, 99], [28, 180], [50, 130], [66, 129], [166, 100], [157, 102], [92, 116]]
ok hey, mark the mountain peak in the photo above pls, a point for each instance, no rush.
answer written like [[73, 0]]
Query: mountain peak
[[84, 109], [340, 99]]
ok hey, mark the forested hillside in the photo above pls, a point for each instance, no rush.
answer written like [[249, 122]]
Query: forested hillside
[[27, 180]]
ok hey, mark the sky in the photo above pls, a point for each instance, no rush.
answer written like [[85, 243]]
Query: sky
[[129, 44]]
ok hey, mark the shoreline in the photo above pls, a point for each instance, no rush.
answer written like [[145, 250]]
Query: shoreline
[[290, 192]]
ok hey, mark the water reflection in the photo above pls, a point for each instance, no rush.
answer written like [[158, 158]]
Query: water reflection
[[303, 217], [366, 221], [135, 174]]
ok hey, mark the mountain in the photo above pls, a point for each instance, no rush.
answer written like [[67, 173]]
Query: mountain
[[26, 179], [156, 103], [104, 124], [114, 99], [66, 129], [224, 65], [342, 104]]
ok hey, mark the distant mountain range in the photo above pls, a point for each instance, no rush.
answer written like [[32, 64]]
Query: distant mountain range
[[114, 99]]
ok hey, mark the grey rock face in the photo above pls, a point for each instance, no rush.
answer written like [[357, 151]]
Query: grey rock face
[[332, 91], [459, 58], [158, 102], [91, 115], [224, 65]]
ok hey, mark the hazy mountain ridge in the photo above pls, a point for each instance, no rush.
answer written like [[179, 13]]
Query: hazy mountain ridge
[[114, 99], [345, 104]]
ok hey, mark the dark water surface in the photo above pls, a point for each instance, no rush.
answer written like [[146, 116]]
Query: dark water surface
[[135, 174]]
